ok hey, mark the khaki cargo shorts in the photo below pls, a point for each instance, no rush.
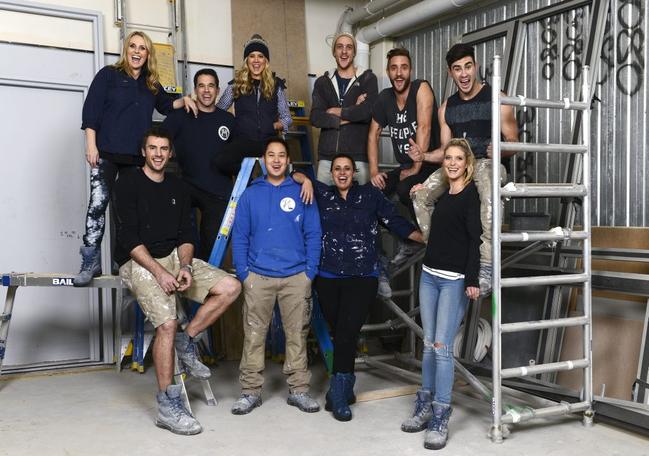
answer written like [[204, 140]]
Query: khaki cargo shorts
[[155, 303]]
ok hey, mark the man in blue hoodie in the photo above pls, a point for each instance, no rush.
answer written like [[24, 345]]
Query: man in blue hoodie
[[276, 251]]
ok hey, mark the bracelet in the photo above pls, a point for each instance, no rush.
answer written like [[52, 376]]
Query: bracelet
[[189, 268]]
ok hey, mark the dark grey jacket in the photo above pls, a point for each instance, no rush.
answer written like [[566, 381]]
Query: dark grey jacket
[[349, 138]]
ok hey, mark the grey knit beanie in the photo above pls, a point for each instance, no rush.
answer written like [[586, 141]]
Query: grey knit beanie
[[256, 43]]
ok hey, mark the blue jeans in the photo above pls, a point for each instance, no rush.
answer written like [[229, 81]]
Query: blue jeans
[[442, 304]]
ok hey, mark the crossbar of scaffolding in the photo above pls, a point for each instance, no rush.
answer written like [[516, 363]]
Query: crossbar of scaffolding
[[564, 408], [524, 371], [512, 190], [551, 235], [557, 279], [542, 324], [536, 103], [531, 147]]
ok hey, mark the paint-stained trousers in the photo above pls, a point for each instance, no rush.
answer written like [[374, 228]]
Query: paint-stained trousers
[[293, 294], [434, 187], [102, 179]]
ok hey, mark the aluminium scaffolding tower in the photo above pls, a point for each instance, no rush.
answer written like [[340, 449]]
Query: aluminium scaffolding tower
[[559, 234]]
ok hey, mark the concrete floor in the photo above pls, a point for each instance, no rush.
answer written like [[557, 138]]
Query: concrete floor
[[100, 413]]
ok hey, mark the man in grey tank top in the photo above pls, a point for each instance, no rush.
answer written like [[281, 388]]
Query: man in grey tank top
[[407, 108], [467, 114]]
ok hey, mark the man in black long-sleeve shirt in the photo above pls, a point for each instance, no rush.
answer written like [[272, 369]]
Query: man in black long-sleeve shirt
[[198, 140], [155, 253]]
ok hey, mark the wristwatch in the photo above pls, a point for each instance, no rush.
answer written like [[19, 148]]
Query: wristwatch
[[189, 268]]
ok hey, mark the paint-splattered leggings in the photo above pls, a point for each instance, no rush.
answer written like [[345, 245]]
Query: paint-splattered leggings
[[102, 179]]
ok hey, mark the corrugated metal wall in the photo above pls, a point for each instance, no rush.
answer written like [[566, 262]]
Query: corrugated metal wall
[[551, 68]]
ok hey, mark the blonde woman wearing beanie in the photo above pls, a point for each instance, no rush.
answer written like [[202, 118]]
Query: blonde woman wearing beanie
[[260, 106]]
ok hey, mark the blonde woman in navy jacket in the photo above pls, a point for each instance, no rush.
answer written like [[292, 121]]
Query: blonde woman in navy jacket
[[116, 113]]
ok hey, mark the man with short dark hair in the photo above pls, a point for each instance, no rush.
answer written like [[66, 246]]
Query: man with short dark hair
[[467, 114], [276, 252], [408, 109], [155, 254], [198, 141], [342, 109]]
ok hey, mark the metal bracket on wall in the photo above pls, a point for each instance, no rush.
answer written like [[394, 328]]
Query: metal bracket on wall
[[176, 30]]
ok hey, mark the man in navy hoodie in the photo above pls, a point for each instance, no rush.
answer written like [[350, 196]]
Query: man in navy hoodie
[[276, 251]]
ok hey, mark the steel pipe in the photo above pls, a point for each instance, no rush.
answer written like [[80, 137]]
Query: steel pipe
[[558, 279], [542, 324], [530, 147], [352, 16], [399, 23], [551, 235], [404, 317], [413, 376], [496, 430], [512, 190], [515, 416], [522, 254], [524, 371], [536, 103]]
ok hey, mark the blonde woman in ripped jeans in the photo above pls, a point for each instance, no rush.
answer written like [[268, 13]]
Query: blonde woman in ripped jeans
[[424, 203]]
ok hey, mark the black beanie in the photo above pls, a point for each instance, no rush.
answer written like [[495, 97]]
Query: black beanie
[[256, 43]]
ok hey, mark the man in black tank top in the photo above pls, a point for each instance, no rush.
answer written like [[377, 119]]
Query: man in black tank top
[[467, 114], [407, 109]]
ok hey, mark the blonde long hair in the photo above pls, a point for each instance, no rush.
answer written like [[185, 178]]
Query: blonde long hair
[[464, 145], [152, 76], [243, 81]]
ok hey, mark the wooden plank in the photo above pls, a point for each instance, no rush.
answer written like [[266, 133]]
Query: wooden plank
[[387, 393], [281, 24]]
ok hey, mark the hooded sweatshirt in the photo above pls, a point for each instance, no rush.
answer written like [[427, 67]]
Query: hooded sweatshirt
[[349, 138], [275, 234]]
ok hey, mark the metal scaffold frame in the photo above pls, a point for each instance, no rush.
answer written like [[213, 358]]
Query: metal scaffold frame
[[546, 190], [407, 320]]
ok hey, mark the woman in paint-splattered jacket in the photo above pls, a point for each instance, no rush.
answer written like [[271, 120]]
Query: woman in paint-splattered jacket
[[348, 279]]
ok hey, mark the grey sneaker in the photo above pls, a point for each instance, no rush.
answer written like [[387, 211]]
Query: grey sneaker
[[172, 414], [406, 250], [90, 266], [384, 290], [437, 433], [304, 402], [422, 414], [188, 356], [245, 404], [484, 278]]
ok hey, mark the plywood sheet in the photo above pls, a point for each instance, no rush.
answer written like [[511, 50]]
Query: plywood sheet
[[625, 238], [616, 349], [281, 24], [616, 341]]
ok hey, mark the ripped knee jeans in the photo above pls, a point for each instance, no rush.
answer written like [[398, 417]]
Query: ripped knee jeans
[[442, 304]]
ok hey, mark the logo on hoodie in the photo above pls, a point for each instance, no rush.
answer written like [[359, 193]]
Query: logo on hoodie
[[224, 132], [287, 204]]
